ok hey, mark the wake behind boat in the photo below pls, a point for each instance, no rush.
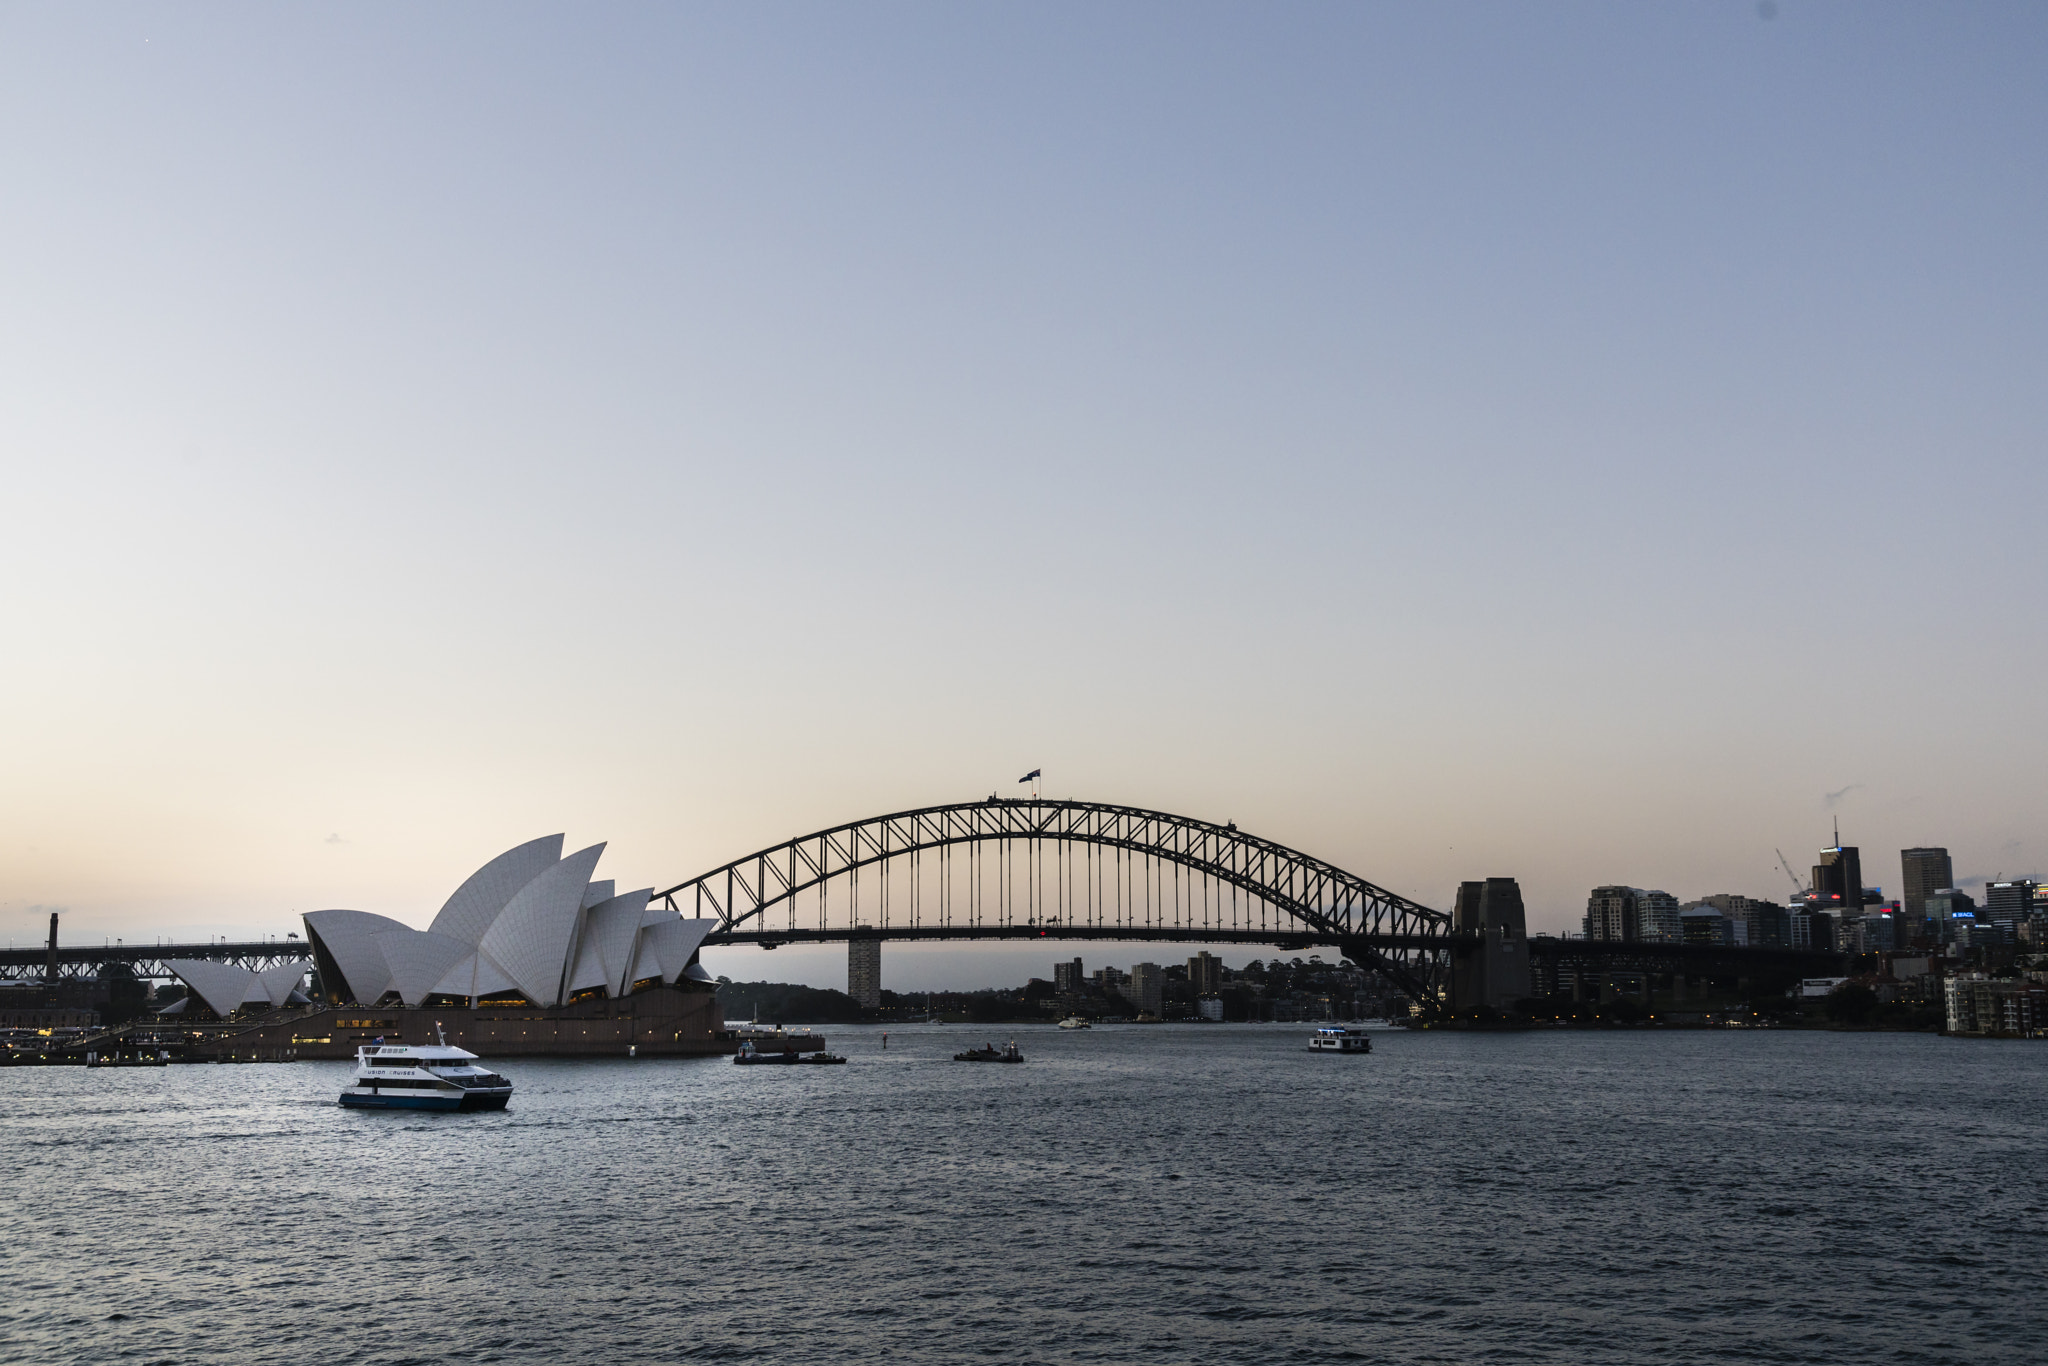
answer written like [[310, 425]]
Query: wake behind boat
[[423, 1077]]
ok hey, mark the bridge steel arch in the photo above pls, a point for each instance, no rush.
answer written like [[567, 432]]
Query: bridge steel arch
[[1277, 895]]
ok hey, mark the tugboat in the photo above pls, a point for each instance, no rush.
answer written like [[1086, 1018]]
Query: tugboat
[[991, 1054], [423, 1077], [1340, 1039]]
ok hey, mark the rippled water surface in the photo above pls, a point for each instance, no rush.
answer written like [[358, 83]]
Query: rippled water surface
[[1128, 1195]]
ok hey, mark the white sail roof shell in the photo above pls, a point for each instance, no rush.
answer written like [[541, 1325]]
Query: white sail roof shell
[[223, 986], [605, 943], [281, 981], [527, 921], [419, 959], [530, 938], [669, 942], [350, 938], [478, 902], [474, 976]]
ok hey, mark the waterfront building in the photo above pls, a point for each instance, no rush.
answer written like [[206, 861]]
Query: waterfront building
[[1148, 988], [1611, 913], [1205, 974], [864, 972], [1975, 1004], [530, 955], [1210, 1008], [1922, 873]]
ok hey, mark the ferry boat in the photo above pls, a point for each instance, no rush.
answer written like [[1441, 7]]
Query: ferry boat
[[1073, 1022], [1340, 1039], [423, 1077]]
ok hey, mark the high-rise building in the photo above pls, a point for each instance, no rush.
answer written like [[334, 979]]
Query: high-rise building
[[1205, 973], [1838, 878], [1611, 913], [1068, 976], [1809, 928], [1922, 873], [1656, 917], [1769, 926], [864, 972], [2008, 901], [1148, 988]]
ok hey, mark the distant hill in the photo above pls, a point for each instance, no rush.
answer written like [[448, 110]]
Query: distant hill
[[786, 1003]]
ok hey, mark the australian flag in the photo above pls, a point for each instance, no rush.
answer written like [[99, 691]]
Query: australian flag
[[1030, 776]]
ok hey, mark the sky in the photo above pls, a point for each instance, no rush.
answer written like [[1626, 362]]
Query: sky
[[1586, 443]]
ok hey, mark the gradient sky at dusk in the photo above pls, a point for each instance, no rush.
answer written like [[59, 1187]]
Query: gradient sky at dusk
[[1582, 442]]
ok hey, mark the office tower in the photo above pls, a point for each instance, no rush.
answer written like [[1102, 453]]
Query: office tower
[[1922, 873], [1148, 987], [2008, 902], [1611, 913], [1205, 973], [1705, 925], [864, 972], [1838, 878], [1068, 976]]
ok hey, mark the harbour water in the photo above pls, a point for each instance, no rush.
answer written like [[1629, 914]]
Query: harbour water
[[1139, 1194]]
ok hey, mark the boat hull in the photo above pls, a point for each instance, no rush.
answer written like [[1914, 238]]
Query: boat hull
[[470, 1100]]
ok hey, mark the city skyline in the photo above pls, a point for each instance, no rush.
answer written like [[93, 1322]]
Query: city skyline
[[1456, 442]]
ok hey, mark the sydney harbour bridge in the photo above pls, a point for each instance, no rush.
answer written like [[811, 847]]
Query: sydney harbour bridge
[[1043, 868]]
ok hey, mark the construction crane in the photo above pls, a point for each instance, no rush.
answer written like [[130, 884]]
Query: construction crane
[[1798, 889]]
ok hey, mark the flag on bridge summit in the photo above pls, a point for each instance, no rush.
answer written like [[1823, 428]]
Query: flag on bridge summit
[[1029, 776]]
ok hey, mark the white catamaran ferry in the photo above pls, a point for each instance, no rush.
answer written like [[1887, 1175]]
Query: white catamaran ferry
[[424, 1077], [1340, 1039]]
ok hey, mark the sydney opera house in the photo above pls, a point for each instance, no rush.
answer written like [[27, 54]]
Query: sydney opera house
[[529, 956]]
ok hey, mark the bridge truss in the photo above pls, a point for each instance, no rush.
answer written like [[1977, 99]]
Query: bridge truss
[[146, 960], [1040, 868]]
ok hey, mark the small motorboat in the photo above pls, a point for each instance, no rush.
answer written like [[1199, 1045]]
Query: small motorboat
[[991, 1053], [752, 1055], [820, 1059], [1340, 1039], [1073, 1022], [423, 1077]]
